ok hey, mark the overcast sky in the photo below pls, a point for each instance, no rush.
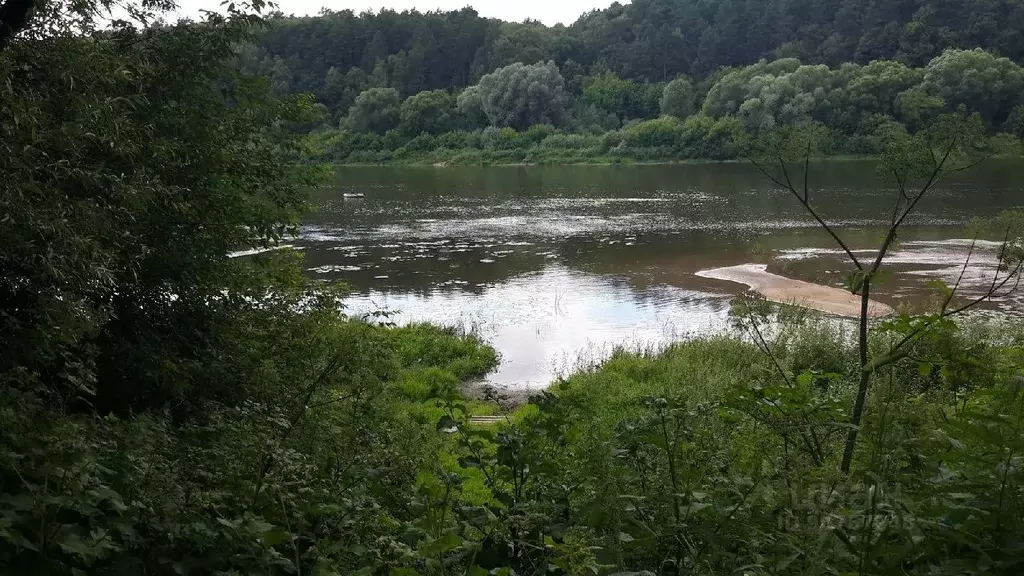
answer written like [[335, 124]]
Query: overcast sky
[[547, 11]]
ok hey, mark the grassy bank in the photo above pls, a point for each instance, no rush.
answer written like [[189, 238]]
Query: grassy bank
[[714, 458]]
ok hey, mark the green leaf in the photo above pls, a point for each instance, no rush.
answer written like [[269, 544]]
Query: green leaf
[[925, 368], [275, 537], [357, 549], [446, 543], [855, 281], [805, 378], [227, 523]]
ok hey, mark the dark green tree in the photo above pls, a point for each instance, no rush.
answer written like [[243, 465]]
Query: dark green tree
[[519, 96], [375, 110], [677, 98], [432, 112]]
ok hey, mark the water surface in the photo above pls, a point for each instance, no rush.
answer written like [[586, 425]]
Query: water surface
[[556, 265]]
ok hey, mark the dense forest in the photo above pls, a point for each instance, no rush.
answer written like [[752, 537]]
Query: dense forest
[[177, 398], [708, 74], [339, 54], [524, 113]]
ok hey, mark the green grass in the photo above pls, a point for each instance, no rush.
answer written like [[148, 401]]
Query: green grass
[[695, 370], [463, 355]]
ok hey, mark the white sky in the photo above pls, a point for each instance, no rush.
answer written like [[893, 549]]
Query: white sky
[[547, 11]]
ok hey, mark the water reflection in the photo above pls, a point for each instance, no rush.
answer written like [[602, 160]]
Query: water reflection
[[553, 262], [549, 322]]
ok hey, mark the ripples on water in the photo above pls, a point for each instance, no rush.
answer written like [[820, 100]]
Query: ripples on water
[[556, 266]]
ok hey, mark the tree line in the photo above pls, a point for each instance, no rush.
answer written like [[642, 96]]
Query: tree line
[[338, 55], [520, 106]]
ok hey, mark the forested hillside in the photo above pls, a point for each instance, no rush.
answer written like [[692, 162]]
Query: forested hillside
[[339, 54]]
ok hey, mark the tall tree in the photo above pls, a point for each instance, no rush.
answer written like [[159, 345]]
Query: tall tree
[[520, 96], [375, 110], [432, 112], [677, 98]]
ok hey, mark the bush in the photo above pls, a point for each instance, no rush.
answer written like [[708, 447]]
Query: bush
[[610, 140], [726, 139], [454, 140], [662, 132], [499, 138], [537, 133], [422, 142], [570, 142], [705, 137]]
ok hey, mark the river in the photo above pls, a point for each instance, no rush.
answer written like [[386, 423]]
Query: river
[[557, 265]]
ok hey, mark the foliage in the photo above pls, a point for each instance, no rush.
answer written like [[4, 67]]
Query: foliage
[[661, 132], [431, 112], [677, 98], [978, 80], [647, 41], [166, 408], [520, 96], [626, 99], [375, 110], [859, 104], [128, 181]]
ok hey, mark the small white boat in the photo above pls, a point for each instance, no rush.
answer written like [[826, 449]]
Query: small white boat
[[352, 195]]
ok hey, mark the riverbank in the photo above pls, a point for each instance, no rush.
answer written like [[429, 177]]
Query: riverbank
[[529, 157], [658, 141], [524, 158], [595, 161]]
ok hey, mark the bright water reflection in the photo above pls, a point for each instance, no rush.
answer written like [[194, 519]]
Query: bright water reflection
[[555, 265], [548, 323]]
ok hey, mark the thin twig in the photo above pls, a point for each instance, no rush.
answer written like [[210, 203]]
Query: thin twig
[[812, 212], [959, 279]]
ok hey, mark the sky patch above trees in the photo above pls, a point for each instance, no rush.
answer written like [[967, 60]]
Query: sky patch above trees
[[550, 13]]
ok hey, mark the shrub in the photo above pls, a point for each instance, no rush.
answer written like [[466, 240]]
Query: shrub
[[663, 132], [453, 140], [570, 142]]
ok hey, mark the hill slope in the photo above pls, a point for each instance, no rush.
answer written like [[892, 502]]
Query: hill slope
[[338, 54]]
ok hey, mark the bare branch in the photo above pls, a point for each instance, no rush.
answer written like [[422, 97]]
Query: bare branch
[[891, 235], [764, 348], [785, 172], [767, 173], [897, 353], [972, 164], [993, 293], [807, 167], [813, 443], [959, 279], [811, 211], [936, 172], [896, 209], [901, 185]]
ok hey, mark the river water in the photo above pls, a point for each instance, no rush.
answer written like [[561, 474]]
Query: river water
[[557, 265]]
